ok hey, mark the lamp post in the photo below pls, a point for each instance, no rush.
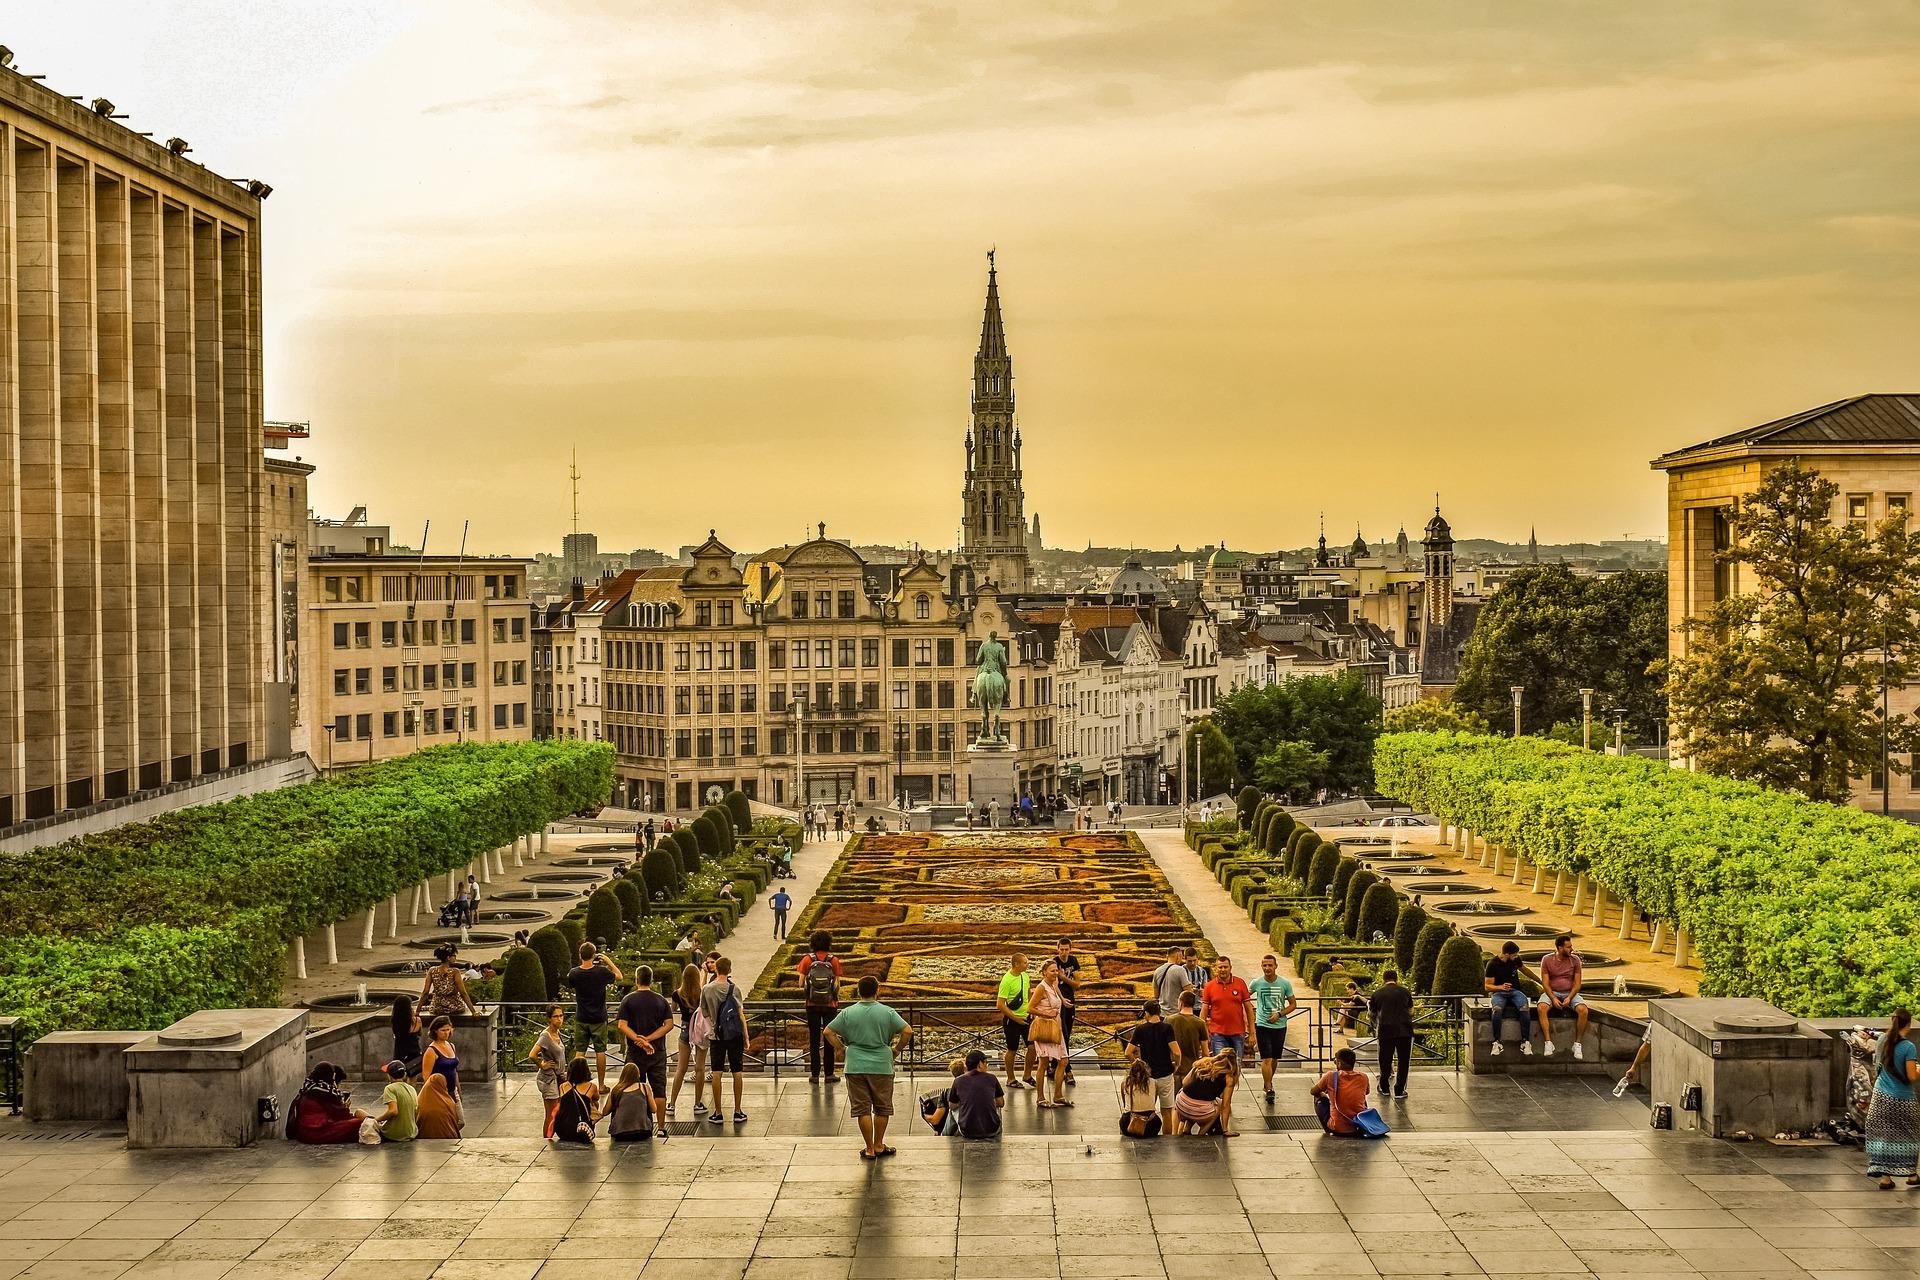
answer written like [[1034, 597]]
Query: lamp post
[[799, 754], [1619, 717], [1518, 691], [899, 762], [1586, 719], [1183, 754]]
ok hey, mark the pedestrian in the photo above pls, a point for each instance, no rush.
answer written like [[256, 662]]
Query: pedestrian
[[1046, 1033], [323, 1112], [406, 1033], [639, 839], [1170, 980], [644, 1022], [820, 987], [629, 1107], [1273, 1004], [780, 901], [1205, 1102], [1226, 1002], [652, 835], [444, 989], [1189, 1033], [1013, 1001], [438, 1114], [398, 1122], [969, 815], [573, 1114], [975, 1101], [993, 813], [1340, 1095], [1197, 974], [440, 1059], [1140, 1115], [869, 1034], [1560, 979], [1502, 983], [1069, 966], [589, 981], [473, 898], [1392, 1009], [1893, 1123], [686, 1004], [720, 1002], [1153, 1044], [549, 1056], [839, 824]]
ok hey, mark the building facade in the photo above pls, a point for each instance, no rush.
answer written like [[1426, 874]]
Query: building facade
[[135, 620]]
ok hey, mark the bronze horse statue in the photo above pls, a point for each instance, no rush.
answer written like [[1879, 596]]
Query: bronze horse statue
[[990, 688]]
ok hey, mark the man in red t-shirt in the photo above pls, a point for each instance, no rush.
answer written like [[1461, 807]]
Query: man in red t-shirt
[[1228, 1006]]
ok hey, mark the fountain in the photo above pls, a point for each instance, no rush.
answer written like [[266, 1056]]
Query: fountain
[[1485, 907], [1620, 984], [533, 893], [360, 994], [1517, 930], [359, 1000]]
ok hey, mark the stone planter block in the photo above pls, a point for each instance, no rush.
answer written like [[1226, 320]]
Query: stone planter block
[[80, 1075], [198, 1083]]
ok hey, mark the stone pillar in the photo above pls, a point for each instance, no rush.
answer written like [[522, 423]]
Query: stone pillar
[[199, 1083]]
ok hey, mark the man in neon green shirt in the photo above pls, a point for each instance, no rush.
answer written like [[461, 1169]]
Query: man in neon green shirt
[[1016, 987], [1272, 1002]]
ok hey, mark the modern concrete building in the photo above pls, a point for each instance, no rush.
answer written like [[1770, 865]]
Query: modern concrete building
[[135, 616]]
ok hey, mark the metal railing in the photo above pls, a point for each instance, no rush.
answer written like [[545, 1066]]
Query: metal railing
[[13, 1064], [777, 1038]]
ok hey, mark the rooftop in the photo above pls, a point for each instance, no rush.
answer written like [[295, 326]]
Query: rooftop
[[1858, 422]]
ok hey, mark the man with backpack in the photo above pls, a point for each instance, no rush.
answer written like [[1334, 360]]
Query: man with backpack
[[820, 985], [727, 1051]]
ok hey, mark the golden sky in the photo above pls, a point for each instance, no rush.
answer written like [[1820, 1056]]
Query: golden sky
[[1258, 260]]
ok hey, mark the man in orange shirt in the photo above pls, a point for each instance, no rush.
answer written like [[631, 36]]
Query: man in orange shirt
[[1227, 1003]]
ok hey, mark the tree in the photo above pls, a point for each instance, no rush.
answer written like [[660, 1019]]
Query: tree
[[1553, 634], [525, 980], [1460, 969], [1781, 684], [1250, 799], [1435, 715], [633, 903], [1290, 766], [604, 925], [1358, 886], [1324, 866], [1379, 911], [1334, 714], [1426, 954], [1406, 931], [556, 956], [1209, 760]]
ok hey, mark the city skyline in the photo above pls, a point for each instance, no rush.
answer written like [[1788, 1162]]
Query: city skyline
[[1516, 260]]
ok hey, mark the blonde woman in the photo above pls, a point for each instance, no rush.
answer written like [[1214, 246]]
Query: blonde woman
[[1205, 1102], [686, 1003], [1047, 1032]]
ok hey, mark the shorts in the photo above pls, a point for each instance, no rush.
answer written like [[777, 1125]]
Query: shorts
[[869, 1095], [654, 1072], [590, 1035], [1163, 1091], [1272, 1042], [1216, 1042], [727, 1055], [1015, 1032], [1546, 1002]]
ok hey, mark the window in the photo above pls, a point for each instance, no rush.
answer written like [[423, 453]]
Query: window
[[342, 728], [510, 588], [923, 694], [702, 613], [945, 651], [776, 742], [1898, 504], [409, 678], [749, 699], [776, 655], [922, 606], [429, 721], [847, 695], [703, 698], [430, 676], [799, 655], [450, 719], [449, 674], [726, 613], [363, 681], [726, 655], [973, 653], [682, 655], [748, 655], [923, 653], [749, 742], [849, 741], [703, 743], [466, 675], [1857, 508], [823, 604], [330, 589], [846, 606], [823, 742], [777, 699], [466, 631], [363, 635], [823, 695], [923, 737], [823, 654], [519, 673], [409, 725], [519, 713], [499, 630], [846, 653], [472, 717], [389, 634], [500, 672], [946, 694], [682, 743], [726, 699], [899, 695], [799, 603], [682, 701], [429, 631], [389, 723], [499, 715], [870, 695], [409, 634], [493, 586], [519, 628], [946, 739], [703, 656], [339, 635], [869, 653], [870, 742], [900, 653]]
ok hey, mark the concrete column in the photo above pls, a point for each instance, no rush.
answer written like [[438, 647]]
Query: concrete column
[[366, 934], [1599, 904], [1682, 949], [1579, 890], [333, 945], [300, 959]]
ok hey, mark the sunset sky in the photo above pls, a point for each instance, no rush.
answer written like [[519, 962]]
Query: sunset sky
[[1258, 261]]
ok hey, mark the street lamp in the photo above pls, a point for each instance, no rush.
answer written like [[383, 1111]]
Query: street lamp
[[1586, 719], [899, 762], [1518, 691], [1619, 717], [1185, 699], [799, 754]]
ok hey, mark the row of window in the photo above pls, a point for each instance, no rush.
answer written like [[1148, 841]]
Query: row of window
[[431, 721], [411, 633], [352, 587], [406, 679], [920, 739]]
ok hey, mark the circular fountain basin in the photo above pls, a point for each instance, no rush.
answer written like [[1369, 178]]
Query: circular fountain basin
[[474, 938], [1636, 989], [350, 1001], [596, 860], [563, 877], [1488, 908], [1589, 959], [1517, 931], [396, 969], [1402, 875], [532, 895], [1436, 887], [510, 915], [1370, 841], [626, 848], [1396, 856]]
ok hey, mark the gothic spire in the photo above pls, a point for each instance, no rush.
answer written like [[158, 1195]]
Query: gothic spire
[[993, 335]]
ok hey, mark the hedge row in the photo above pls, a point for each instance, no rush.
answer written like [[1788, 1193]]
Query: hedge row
[[136, 927], [1814, 907]]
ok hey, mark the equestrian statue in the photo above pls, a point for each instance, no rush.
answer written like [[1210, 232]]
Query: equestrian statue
[[990, 688]]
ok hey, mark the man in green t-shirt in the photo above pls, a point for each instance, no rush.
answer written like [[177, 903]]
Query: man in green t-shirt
[[399, 1122], [867, 1035], [1272, 1002], [1016, 988]]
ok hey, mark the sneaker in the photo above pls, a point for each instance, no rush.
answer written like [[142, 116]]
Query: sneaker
[[661, 1133], [739, 1117], [1547, 1049], [1401, 1094], [699, 1108], [1620, 1089], [1269, 1097], [715, 1118], [672, 1111], [1526, 1048], [1498, 1048], [1578, 1051]]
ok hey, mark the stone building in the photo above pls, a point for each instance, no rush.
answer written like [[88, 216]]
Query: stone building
[[136, 622], [993, 529], [1868, 445]]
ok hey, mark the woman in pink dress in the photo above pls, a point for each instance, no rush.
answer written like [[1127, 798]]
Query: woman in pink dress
[[1046, 1007]]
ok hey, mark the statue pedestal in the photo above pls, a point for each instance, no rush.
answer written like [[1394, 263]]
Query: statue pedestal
[[991, 770]]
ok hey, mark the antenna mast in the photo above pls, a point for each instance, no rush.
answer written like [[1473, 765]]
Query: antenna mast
[[573, 474]]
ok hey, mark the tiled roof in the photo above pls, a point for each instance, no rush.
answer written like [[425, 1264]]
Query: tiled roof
[[1877, 419]]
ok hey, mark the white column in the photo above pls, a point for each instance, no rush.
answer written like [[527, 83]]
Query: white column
[[393, 916], [333, 945], [1682, 949], [516, 854], [1559, 885], [1579, 891], [366, 934], [1539, 877], [419, 898], [1599, 904], [1519, 865], [1629, 916], [1659, 939], [300, 958], [1495, 851], [486, 872]]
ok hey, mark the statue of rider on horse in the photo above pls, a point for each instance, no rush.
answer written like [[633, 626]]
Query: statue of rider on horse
[[990, 688]]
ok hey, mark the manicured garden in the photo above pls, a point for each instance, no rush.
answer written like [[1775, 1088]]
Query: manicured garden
[[1814, 907], [138, 926]]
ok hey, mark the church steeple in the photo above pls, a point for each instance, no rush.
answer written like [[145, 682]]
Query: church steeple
[[993, 527]]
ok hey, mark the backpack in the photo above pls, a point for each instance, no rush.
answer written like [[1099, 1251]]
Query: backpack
[[821, 987], [728, 1025]]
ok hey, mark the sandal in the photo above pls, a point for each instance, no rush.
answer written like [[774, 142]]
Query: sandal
[[885, 1151], [1064, 1102], [1016, 1084], [1051, 1105], [1032, 1083], [868, 1155], [1886, 1183]]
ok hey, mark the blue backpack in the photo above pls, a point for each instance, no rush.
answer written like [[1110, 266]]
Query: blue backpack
[[728, 1025]]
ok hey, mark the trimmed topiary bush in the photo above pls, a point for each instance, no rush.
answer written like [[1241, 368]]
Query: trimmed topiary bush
[[722, 827], [661, 871], [1343, 876], [1249, 801], [740, 810], [1406, 928], [556, 957], [1299, 854], [633, 903], [1326, 863], [574, 926], [1357, 886], [1283, 828], [690, 849], [605, 926], [1426, 953], [1461, 968], [525, 980], [1379, 912]]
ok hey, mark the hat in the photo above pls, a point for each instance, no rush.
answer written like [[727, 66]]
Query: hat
[[396, 1069]]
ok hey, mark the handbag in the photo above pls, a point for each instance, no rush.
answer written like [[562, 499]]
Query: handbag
[[1045, 1029], [1142, 1124], [1367, 1123]]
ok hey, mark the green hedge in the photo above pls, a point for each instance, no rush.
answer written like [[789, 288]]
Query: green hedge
[[138, 926], [1814, 907]]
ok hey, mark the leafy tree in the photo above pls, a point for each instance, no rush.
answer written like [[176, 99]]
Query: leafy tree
[[604, 926], [1357, 887], [1325, 865], [1334, 714], [1780, 685], [1250, 799], [1379, 911], [1434, 715], [1554, 633], [1406, 929], [1291, 766], [1277, 832], [1342, 877], [525, 979], [1426, 953], [556, 956], [740, 810], [1460, 969], [633, 903], [1209, 759]]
